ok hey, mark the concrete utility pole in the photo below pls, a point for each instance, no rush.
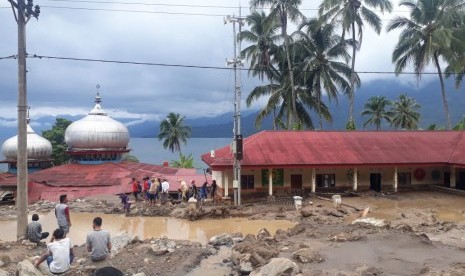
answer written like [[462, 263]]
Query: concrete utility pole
[[237, 143], [22, 15]]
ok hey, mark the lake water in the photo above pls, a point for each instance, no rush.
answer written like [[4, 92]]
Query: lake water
[[151, 151]]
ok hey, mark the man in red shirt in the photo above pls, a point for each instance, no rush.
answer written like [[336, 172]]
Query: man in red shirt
[[135, 188]]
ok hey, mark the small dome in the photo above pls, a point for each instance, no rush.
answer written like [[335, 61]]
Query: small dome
[[37, 146], [97, 131]]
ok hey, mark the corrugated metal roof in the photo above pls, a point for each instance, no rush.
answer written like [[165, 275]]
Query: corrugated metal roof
[[325, 148]]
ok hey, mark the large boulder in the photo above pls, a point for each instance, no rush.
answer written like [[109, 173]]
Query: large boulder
[[276, 267], [221, 239], [263, 233], [4, 260], [120, 241], [26, 268], [306, 255]]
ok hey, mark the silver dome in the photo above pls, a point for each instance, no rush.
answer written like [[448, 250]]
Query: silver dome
[[37, 146], [97, 131]]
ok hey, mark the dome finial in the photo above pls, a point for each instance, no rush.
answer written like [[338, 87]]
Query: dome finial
[[98, 99]]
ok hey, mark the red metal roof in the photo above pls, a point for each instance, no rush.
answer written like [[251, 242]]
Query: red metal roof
[[78, 180], [336, 148]]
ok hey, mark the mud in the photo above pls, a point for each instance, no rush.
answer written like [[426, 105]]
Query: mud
[[422, 236]]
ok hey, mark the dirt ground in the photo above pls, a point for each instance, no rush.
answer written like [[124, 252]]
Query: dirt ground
[[422, 233]]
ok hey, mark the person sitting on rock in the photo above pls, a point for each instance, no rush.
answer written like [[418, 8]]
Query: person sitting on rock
[[98, 241], [34, 230], [59, 254]]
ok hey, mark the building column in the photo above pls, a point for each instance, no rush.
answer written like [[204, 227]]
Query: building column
[[355, 180], [270, 182], [452, 176], [226, 186], [313, 180], [395, 180]]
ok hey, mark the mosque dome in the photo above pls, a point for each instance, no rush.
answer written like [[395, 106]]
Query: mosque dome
[[37, 147], [97, 131]]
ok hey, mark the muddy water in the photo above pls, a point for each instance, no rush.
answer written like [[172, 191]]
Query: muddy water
[[148, 227], [444, 206]]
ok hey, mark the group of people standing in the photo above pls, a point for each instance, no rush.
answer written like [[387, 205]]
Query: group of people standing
[[155, 189], [59, 254]]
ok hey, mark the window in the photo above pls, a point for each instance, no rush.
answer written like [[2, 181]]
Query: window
[[325, 180], [247, 182], [404, 179]]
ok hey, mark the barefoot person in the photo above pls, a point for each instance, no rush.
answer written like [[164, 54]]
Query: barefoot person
[[59, 254], [98, 241], [34, 230], [62, 214]]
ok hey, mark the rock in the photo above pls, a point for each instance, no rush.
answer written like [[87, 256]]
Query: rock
[[245, 265], [81, 261], [404, 228], [278, 266], [306, 213], [139, 274], [158, 250], [4, 273], [306, 255], [221, 239], [120, 241], [4, 260], [263, 233], [371, 221], [26, 268]]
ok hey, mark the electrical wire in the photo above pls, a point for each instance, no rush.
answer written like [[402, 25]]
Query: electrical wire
[[204, 66]]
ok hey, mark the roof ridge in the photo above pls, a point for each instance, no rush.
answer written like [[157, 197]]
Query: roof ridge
[[254, 136]]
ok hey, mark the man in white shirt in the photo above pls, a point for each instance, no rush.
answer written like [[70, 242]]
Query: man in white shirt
[[165, 187], [59, 254]]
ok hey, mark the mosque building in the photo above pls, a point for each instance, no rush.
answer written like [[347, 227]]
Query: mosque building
[[96, 145]]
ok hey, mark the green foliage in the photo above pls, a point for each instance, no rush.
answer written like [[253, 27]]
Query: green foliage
[[183, 161], [350, 125], [460, 125], [405, 113], [375, 108], [129, 158], [56, 136], [173, 132]]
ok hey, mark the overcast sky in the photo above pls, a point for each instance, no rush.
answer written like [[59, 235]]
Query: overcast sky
[[138, 92]]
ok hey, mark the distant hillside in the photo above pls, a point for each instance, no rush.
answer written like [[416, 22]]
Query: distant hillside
[[221, 126]]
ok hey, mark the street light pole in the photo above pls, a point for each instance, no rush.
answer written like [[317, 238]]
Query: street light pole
[[237, 143], [22, 14]]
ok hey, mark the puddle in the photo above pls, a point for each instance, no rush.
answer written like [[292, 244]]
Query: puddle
[[150, 227], [213, 265]]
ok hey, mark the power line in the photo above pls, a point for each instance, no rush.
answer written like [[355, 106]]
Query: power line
[[204, 66]]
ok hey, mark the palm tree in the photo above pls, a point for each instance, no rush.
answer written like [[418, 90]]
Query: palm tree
[[173, 130], [284, 10], [350, 13], [320, 52], [262, 36], [183, 161], [376, 109], [405, 113], [426, 37]]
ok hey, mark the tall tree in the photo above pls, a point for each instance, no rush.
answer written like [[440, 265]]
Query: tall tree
[[405, 113], [284, 10], [173, 131], [351, 14], [262, 36], [320, 52], [184, 161], [426, 37], [56, 136], [376, 109]]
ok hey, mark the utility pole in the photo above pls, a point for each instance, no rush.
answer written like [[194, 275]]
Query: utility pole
[[237, 142], [22, 15]]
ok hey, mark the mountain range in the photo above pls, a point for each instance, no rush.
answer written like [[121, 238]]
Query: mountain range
[[428, 96]]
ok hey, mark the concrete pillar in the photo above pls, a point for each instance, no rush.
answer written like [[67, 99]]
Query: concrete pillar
[[394, 186], [270, 182], [313, 180], [226, 186], [452, 176], [355, 180]]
